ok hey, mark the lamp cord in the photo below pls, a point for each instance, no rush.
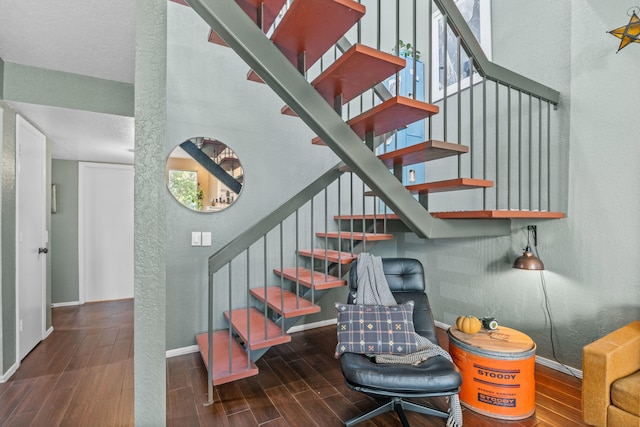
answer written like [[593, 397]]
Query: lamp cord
[[548, 312]]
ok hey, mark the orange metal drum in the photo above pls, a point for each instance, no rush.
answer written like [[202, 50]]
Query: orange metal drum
[[497, 372]]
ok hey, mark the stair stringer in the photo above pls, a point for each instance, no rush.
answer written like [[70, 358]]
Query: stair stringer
[[262, 56]]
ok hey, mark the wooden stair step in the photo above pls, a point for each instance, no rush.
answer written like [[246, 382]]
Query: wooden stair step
[[392, 114], [330, 254], [256, 323], [422, 152], [499, 213], [347, 235], [284, 302], [358, 69], [313, 27], [270, 12], [241, 365], [449, 185], [310, 279]]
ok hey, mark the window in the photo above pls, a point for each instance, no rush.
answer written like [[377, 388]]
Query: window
[[184, 187], [477, 13]]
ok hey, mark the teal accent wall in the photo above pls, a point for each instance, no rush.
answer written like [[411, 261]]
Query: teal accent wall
[[34, 85], [150, 236], [64, 233], [8, 239]]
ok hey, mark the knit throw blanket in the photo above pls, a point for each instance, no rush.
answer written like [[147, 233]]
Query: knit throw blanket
[[373, 289]]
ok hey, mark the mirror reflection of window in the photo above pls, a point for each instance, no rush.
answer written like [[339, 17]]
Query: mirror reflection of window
[[204, 174]]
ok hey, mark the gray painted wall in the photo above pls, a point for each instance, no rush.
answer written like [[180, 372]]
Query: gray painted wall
[[208, 95], [8, 240], [592, 275], [64, 233], [150, 237]]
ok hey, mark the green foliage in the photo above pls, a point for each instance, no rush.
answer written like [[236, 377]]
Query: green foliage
[[184, 187]]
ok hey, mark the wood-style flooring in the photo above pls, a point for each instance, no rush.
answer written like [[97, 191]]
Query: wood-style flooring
[[82, 375]]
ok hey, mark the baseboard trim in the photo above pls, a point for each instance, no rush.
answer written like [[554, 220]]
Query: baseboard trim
[[182, 351], [539, 359], [47, 333], [558, 366], [12, 370], [64, 304], [314, 325]]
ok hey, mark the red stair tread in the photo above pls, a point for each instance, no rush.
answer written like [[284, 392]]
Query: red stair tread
[[320, 281], [292, 307], [314, 26], [388, 116], [346, 235], [257, 322], [499, 213], [332, 255], [357, 70], [241, 367], [423, 152], [271, 10], [449, 185]]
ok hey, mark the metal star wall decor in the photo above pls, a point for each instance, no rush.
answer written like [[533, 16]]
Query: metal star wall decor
[[630, 33]]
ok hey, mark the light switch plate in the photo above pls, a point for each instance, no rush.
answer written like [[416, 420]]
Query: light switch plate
[[206, 238], [196, 238]]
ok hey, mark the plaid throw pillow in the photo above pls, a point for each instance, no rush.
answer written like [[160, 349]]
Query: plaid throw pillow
[[375, 329]]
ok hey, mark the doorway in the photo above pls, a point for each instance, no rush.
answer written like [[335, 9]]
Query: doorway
[[31, 237], [105, 231]]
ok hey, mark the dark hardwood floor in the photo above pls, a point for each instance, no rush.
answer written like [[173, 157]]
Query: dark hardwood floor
[[82, 375]]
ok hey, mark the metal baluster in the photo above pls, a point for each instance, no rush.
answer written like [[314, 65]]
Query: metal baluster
[[230, 319], [249, 312], [548, 156], [497, 145], [540, 154], [459, 99], [508, 147], [210, 341], [298, 257], [364, 223], [351, 220], [519, 149], [312, 258], [530, 155], [445, 26], [326, 236], [340, 219], [282, 271], [415, 50]]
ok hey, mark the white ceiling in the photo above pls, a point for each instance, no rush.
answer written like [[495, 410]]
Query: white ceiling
[[89, 37]]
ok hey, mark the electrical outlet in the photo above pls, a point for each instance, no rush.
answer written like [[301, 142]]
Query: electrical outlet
[[196, 238], [206, 238]]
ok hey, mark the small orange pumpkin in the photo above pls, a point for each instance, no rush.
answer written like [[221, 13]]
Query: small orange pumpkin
[[469, 324]]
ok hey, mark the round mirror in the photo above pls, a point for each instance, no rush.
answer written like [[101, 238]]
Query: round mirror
[[204, 174]]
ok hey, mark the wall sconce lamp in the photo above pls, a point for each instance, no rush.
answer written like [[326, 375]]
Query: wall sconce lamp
[[529, 261]]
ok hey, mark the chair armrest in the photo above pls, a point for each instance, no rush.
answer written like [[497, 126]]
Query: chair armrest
[[613, 356]]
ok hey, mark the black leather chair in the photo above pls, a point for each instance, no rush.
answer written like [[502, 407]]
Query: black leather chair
[[435, 377]]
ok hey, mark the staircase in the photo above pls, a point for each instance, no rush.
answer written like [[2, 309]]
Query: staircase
[[307, 30]]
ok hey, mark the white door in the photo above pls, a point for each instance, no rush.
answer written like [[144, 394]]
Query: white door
[[105, 231], [31, 237]]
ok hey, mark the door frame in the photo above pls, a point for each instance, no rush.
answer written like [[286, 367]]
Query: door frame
[[20, 122]]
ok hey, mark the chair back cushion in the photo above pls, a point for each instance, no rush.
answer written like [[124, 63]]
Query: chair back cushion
[[406, 281]]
